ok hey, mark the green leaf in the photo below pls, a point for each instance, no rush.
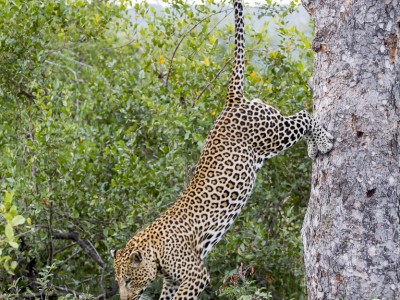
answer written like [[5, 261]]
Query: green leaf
[[13, 265], [18, 220], [8, 199], [8, 217], [9, 232], [6, 266], [13, 244]]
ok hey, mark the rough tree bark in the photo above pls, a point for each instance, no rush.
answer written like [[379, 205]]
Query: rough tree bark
[[351, 229]]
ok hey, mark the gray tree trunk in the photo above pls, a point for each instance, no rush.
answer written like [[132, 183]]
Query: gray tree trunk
[[351, 232]]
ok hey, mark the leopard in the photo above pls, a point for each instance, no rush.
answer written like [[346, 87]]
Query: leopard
[[244, 135]]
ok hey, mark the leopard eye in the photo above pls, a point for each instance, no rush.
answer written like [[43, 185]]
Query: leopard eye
[[128, 281]]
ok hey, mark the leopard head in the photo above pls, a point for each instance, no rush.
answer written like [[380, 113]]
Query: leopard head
[[135, 269]]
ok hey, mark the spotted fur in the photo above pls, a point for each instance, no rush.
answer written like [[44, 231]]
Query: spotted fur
[[244, 135]]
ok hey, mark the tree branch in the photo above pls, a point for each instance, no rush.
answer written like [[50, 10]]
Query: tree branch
[[84, 244]]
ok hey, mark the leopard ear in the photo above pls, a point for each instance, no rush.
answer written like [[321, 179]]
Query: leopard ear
[[114, 253], [136, 258]]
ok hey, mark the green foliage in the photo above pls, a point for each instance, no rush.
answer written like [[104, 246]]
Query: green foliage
[[104, 114], [9, 213], [240, 287], [249, 292]]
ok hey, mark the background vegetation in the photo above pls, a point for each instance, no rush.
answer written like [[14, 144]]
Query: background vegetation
[[103, 116]]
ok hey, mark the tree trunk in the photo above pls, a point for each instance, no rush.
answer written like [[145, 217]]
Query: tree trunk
[[351, 232]]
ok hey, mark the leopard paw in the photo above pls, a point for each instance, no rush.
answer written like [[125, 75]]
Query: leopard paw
[[319, 140], [324, 141], [312, 149]]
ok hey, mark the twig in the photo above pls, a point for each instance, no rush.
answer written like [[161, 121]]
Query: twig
[[220, 71], [102, 269], [209, 32], [64, 248], [61, 66], [183, 37], [81, 64], [63, 290], [31, 135], [102, 287], [60, 264], [76, 61], [27, 94], [54, 295], [50, 226], [110, 293], [25, 232], [40, 296], [212, 80], [75, 220], [126, 44], [67, 290]]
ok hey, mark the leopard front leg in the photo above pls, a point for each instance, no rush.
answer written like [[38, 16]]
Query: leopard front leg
[[318, 139], [291, 129], [194, 283], [169, 289]]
